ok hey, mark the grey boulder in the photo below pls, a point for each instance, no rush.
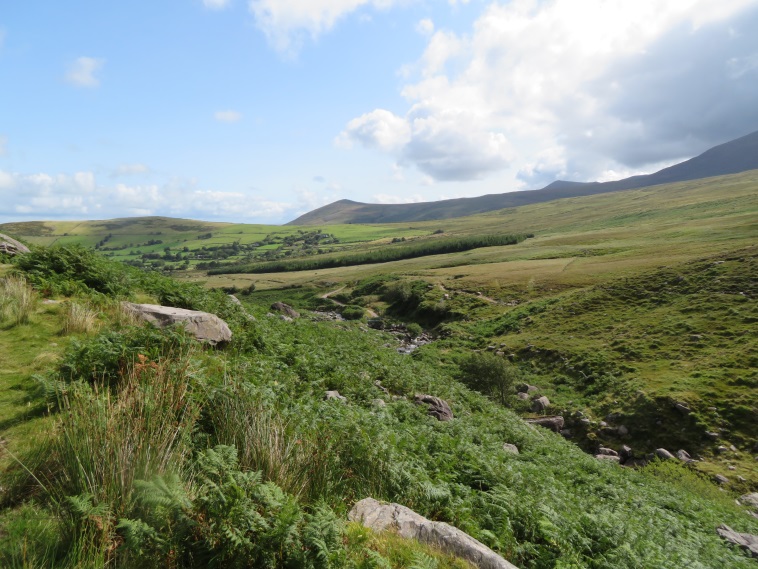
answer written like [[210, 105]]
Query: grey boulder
[[746, 541], [437, 408], [204, 326], [285, 309], [379, 516], [11, 247], [554, 423]]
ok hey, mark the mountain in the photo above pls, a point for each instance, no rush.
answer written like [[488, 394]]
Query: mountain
[[731, 157]]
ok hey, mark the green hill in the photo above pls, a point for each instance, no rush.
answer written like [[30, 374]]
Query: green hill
[[729, 158]]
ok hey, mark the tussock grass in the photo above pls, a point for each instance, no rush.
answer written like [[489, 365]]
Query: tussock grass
[[17, 300], [79, 318]]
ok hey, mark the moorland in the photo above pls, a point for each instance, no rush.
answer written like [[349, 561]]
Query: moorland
[[632, 313]]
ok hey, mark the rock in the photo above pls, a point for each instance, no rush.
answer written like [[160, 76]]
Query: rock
[[554, 423], [626, 453], [663, 454], [285, 318], [285, 309], [585, 421], [11, 247], [712, 435], [510, 448], [567, 434], [410, 525], [608, 457], [634, 462], [730, 467], [750, 500], [379, 385], [746, 541], [684, 456], [721, 449], [438, 408], [523, 396], [526, 388], [378, 403], [603, 424], [204, 326], [540, 404], [329, 395], [682, 407], [721, 479], [235, 300], [607, 451], [623, 430]]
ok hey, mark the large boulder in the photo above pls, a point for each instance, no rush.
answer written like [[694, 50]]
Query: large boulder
[[204, 326], [540, 404], [750, 500], [746, 541], [437, 408], [285, 309], [11, 247], [410, 525], [554, 423]]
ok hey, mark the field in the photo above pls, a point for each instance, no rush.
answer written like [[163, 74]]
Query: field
[[633, 313]]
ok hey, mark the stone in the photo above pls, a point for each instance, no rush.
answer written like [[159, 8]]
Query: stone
[[329, 395], [721, 449], [11, 247], [285, 309], [608, 457], [523, 396], [607, 451], [438, 408], [750, 500], [526, 388], [585, 421], [540, 404], [746, 541], [712, 435], [378, 403], [554, 423], [682, 407], [663, 454], [510, 448], [721, 479], [623, 430], [626, 453], [684, 456], [567, 434], [380, 516], [204, 326]]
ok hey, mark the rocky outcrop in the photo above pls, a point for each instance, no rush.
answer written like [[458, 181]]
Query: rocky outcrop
[[285, 309], [554, 423], [540, 404], [410, 525], [11, 247], [744, 540], [437, 408], [750, 500], [204, 326]]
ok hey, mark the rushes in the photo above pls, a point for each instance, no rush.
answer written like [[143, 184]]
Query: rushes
[[17, 300], [79, 319]]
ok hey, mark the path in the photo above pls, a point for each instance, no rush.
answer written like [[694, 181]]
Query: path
[[326, 296]]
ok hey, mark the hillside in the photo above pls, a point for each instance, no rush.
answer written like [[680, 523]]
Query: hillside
[[130, 446], [732, 157]]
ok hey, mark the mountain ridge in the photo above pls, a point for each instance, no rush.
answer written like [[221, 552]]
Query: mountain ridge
[[734, 156]]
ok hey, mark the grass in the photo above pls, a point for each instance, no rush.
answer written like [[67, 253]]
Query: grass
[[17, 301]]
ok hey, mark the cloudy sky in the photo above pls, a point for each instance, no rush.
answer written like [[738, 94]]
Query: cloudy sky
[[260, 110]]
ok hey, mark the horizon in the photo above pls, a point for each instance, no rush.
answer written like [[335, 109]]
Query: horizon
[[259, 111]]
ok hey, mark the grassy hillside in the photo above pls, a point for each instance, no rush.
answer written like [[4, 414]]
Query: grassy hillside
[[143, 448], [736, 156]]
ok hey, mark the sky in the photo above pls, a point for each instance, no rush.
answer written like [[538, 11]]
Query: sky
[[256, 111]]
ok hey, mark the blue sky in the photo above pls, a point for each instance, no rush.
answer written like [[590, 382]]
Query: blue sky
[[260, 110]]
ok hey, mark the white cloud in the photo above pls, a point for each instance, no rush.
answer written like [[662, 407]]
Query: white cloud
[[216, 4], [425, 27], [227, 116], [82, 71], [394, 199], [575, 90], [286, 22], [130, 170], [7, 180]]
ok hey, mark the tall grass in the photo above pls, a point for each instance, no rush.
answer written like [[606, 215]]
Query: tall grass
[[17, 300], [79, 319]]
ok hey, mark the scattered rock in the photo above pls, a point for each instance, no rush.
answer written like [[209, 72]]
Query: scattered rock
[[285, 309], [554, 423], [721, 479], [607, 451], [285, 318], [378, 403], [682, 407], [712, 435], [204, 326], [523, 396], [730, 467], [750, 500], [663, 454], [540, 404], [721, 449], [626, 453], [744, 540], [526, 388], [410, 525], [235, 300], [684, 456], [11, 247], [510, 448], [608, 457], [329, 395], [585, 421], [623, 430], [438, 408]]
